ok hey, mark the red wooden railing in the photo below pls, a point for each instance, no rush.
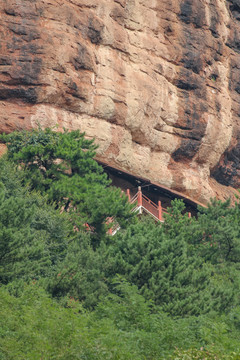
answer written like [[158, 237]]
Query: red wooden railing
[[143, 204]]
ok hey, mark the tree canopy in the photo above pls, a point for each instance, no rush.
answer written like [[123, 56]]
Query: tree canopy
[[61, 166], [153, 291]]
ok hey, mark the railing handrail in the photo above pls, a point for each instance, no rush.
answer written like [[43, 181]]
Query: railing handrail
[[152, 203], [149, 201], [135, 197], [150, 213], [143, 203]]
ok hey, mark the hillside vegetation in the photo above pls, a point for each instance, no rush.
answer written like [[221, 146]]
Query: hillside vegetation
[[69, 290]]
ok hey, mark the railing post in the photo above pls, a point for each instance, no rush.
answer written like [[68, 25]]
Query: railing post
[[128, 195], [139, 196], [159, 210]]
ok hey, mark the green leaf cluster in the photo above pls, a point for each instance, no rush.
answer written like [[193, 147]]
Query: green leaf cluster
[[123, 326], [152, 291], [33, 234], [60, 165]]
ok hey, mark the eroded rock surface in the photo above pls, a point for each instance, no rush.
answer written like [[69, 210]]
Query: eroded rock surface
[[156, 82]]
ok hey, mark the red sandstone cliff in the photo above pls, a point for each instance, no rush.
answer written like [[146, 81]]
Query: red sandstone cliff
[[157, 82]]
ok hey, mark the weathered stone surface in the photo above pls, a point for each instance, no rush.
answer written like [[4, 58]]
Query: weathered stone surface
[[157, 83]]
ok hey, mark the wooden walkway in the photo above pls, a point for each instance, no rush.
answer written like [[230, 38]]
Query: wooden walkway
[[143, 205]]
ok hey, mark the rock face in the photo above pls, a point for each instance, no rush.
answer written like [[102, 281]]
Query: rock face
[[156, 82]]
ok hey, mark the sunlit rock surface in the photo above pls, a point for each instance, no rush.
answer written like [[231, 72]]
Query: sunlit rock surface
[[156, 82]]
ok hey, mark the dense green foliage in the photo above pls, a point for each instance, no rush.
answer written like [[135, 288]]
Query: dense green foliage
[[33, 235], [152, 291], [123, 326], [177, 265], [61, 167]]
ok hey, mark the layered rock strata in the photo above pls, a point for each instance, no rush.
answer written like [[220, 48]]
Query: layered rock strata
[[156, 82]]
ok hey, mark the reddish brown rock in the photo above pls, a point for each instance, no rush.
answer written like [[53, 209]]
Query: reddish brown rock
[[157, 83]]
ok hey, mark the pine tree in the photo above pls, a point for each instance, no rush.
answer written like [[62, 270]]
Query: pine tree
[[167, 268], [61, 165], [218, 229], [33, 235]]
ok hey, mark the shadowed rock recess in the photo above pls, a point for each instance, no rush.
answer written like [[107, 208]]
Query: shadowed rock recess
[[156, 82]]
